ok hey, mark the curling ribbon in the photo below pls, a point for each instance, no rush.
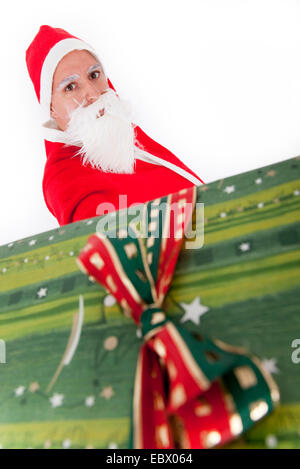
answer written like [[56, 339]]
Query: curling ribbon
[[190, 391]]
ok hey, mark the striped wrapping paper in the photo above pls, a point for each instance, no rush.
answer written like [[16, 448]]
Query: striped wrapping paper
[[70, 359]]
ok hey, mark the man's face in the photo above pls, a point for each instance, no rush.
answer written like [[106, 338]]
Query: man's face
[[78, 78], [91, 114]]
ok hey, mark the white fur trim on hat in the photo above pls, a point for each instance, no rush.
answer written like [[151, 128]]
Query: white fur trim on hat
[[55, 54]]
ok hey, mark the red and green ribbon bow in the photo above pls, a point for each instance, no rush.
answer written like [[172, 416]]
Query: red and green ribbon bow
[[190, 391]]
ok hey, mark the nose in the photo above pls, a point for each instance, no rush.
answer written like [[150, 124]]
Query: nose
[[90, 97], [92, 94]]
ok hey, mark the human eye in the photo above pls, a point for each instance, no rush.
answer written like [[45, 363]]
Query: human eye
[[68, 87], [92, 75]]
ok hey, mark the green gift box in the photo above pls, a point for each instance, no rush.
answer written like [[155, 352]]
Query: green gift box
[[68, 353]]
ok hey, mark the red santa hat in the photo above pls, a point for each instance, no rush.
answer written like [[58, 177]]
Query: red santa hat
[[48, 47]]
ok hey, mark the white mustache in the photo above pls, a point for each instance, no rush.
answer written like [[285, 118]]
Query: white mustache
[[105, 133], [107, 103]]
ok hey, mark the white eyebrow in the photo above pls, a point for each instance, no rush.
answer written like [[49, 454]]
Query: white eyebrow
[[76, 76], [66, 80], [93, 67]]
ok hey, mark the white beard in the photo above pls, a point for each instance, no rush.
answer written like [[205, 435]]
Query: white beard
[[107, 141]]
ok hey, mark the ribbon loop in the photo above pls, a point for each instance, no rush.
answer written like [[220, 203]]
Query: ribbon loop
[[188, 393]]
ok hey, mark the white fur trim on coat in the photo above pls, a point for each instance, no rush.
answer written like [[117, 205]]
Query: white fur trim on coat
[[53, 134]]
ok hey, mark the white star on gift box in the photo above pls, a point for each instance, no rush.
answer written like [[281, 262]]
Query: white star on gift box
[[42, 292], [19, 391], [271, 441], [56, 400], [90, 401], [244, 247], [112, 445], [66, 443], [193, 311], [270, 364], [229, 189]]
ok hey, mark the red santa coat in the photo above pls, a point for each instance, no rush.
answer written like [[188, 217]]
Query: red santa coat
[[73, 191]]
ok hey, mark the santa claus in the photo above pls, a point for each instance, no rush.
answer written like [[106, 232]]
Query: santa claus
[[98, 160]]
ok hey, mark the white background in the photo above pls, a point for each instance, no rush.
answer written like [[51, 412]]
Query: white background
[[217, 82]]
